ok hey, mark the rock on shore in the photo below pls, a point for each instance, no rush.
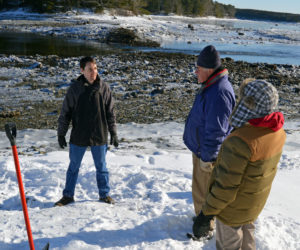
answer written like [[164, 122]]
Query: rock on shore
[[148, 87]]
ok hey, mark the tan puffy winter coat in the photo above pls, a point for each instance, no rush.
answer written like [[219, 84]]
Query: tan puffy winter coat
[[243, 174]]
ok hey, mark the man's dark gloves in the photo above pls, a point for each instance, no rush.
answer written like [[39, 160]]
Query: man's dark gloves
[[114, 140], [62, 141], [201, 225]]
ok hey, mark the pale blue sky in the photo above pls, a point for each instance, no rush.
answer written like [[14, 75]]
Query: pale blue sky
[[288, 6]]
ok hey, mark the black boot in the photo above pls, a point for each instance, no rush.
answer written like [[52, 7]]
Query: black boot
[[64, 201], [107, 199]]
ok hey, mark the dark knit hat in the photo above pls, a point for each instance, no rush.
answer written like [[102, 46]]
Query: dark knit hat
[[209, 58]]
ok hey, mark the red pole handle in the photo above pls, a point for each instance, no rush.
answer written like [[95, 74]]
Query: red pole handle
[[23, 199], [11, 137]]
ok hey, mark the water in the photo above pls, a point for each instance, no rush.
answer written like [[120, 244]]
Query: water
[[12, 43], [269, 53]]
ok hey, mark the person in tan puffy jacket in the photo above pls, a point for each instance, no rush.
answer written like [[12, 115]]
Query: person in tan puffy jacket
[[245, 168]]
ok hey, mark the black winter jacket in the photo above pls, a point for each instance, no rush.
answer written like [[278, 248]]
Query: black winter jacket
[[91, 109]]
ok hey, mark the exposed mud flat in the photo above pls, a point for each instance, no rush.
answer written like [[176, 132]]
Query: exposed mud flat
[[147, 87]]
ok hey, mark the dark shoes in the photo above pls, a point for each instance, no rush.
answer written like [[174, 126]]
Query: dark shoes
[[64, 201], [107, 199]]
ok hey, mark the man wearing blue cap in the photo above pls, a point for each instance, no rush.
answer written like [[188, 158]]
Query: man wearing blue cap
[[207, 124]]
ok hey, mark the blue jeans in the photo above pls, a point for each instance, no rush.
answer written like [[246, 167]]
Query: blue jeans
[[76, 154]]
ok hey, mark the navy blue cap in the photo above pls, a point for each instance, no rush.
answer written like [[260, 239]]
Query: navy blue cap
[[209, 58]]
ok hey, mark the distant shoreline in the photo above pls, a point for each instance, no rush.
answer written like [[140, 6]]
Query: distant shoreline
[[261, 15], [243, 14]]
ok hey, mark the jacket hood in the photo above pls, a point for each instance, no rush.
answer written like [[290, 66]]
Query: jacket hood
[[273, 121]]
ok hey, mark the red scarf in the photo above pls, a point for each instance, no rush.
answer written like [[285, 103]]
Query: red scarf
[[273, 121]]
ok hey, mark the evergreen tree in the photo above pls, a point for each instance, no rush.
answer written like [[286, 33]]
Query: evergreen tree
[[229, 10], [219, 10], [136, 5], [178, 7], [199, 8], [188, 7], [154, 6]]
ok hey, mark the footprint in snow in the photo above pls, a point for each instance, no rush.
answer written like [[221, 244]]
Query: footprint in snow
[[151, 160]]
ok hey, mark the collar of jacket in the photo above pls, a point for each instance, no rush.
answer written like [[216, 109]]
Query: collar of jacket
[[85, 83], [214, 77]]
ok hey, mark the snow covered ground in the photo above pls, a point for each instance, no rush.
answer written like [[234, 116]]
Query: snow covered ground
[[150, 177]]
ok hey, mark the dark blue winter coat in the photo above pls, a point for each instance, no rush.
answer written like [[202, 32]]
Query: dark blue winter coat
[[207, 123]]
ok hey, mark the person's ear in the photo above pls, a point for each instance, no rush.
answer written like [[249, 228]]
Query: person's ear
[[211, 71], [249, 102]]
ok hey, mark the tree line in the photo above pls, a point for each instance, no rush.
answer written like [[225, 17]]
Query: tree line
[[179, 7]]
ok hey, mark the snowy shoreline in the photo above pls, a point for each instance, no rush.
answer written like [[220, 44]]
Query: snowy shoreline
[[261, 41], [88, 25]]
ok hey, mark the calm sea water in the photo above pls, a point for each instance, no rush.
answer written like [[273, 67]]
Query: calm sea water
[[12, 43], [268, 53]]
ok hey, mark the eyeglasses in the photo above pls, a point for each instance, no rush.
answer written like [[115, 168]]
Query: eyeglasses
[[197, 66]]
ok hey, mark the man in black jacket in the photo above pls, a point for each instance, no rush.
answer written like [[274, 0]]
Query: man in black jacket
[[89, 105]]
